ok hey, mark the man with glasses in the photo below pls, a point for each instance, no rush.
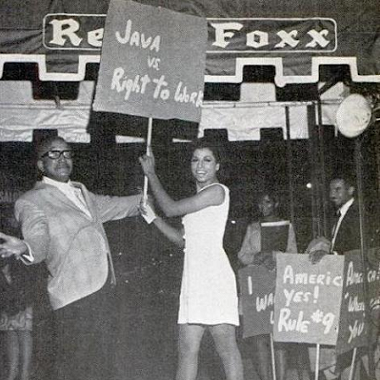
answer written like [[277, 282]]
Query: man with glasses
[[62, 224]]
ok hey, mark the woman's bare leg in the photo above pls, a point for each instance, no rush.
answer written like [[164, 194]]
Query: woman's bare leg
[[225, 342], [26, 347], [12, 354], [189, 341]]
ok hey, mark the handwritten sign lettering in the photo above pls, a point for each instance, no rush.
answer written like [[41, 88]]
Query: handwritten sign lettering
[[313, 303], [307, 299], [353, 330], [257, 286], [152, 62], [138, 39]]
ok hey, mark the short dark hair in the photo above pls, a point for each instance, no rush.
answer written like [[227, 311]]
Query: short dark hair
[[215, 147], [43, 144], [348, 178], [271, 195]]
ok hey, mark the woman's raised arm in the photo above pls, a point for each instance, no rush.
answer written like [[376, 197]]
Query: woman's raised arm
[[210, 196]]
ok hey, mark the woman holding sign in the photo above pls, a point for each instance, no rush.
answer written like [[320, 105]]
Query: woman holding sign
[[208, 297], [262, 240]]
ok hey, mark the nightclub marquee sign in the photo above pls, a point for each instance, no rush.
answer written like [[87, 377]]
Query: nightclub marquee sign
[[295, 38], [227, 36], [73, 31]]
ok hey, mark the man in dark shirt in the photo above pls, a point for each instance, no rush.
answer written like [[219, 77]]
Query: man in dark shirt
[[345, 236], [346, 230]]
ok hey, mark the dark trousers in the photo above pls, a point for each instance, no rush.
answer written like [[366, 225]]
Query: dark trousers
[[84, 337]]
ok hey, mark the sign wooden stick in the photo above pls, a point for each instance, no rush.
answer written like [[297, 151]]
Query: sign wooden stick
[[352, 369], [363, 249], [273, 358], [317, 361], [148, 150]]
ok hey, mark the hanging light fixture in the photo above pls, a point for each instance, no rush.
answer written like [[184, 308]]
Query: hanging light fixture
[[354, 115]]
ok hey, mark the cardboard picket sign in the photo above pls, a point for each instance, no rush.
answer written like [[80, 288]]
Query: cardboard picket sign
[[152, 62], [354, 329], [313, 303], [257, 289], [308, 299]]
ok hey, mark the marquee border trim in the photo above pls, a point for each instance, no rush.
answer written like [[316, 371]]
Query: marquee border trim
[[280, 79]]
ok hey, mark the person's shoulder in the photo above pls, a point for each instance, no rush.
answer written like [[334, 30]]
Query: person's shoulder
[[353, 210], [216, 190], [355, 205], [35, 193]]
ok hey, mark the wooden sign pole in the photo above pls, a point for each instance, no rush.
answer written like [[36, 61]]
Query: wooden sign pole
[[363, 252], [273, 357], [352, 369], [148, 150], [317, 361]]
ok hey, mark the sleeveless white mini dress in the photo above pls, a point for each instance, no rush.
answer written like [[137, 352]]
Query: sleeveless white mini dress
[[208, 289]]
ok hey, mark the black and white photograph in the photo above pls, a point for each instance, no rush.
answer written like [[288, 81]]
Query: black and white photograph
[[189, 190]]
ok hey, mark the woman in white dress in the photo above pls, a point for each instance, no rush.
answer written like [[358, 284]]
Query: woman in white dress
[[208, 292]]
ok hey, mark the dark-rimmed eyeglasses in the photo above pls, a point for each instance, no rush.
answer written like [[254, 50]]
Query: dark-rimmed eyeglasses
[[56, 154]]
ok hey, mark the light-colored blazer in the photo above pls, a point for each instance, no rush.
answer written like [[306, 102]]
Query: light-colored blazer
[[73, 245]]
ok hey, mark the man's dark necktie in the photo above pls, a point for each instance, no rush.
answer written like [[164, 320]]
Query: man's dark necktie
[[337, 215]]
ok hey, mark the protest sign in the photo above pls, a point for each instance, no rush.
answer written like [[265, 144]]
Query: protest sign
[[308, 299], [373, 277], [152, 62], [257, 287], [354, 329]]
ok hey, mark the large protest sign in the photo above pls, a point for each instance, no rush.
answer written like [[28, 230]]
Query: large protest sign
[[373, 277], [308, 299], [352, 318], [152, 62], [257, 288], [354, 329]]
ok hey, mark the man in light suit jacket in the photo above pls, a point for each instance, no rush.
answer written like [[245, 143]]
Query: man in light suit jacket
[[62, 224]]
